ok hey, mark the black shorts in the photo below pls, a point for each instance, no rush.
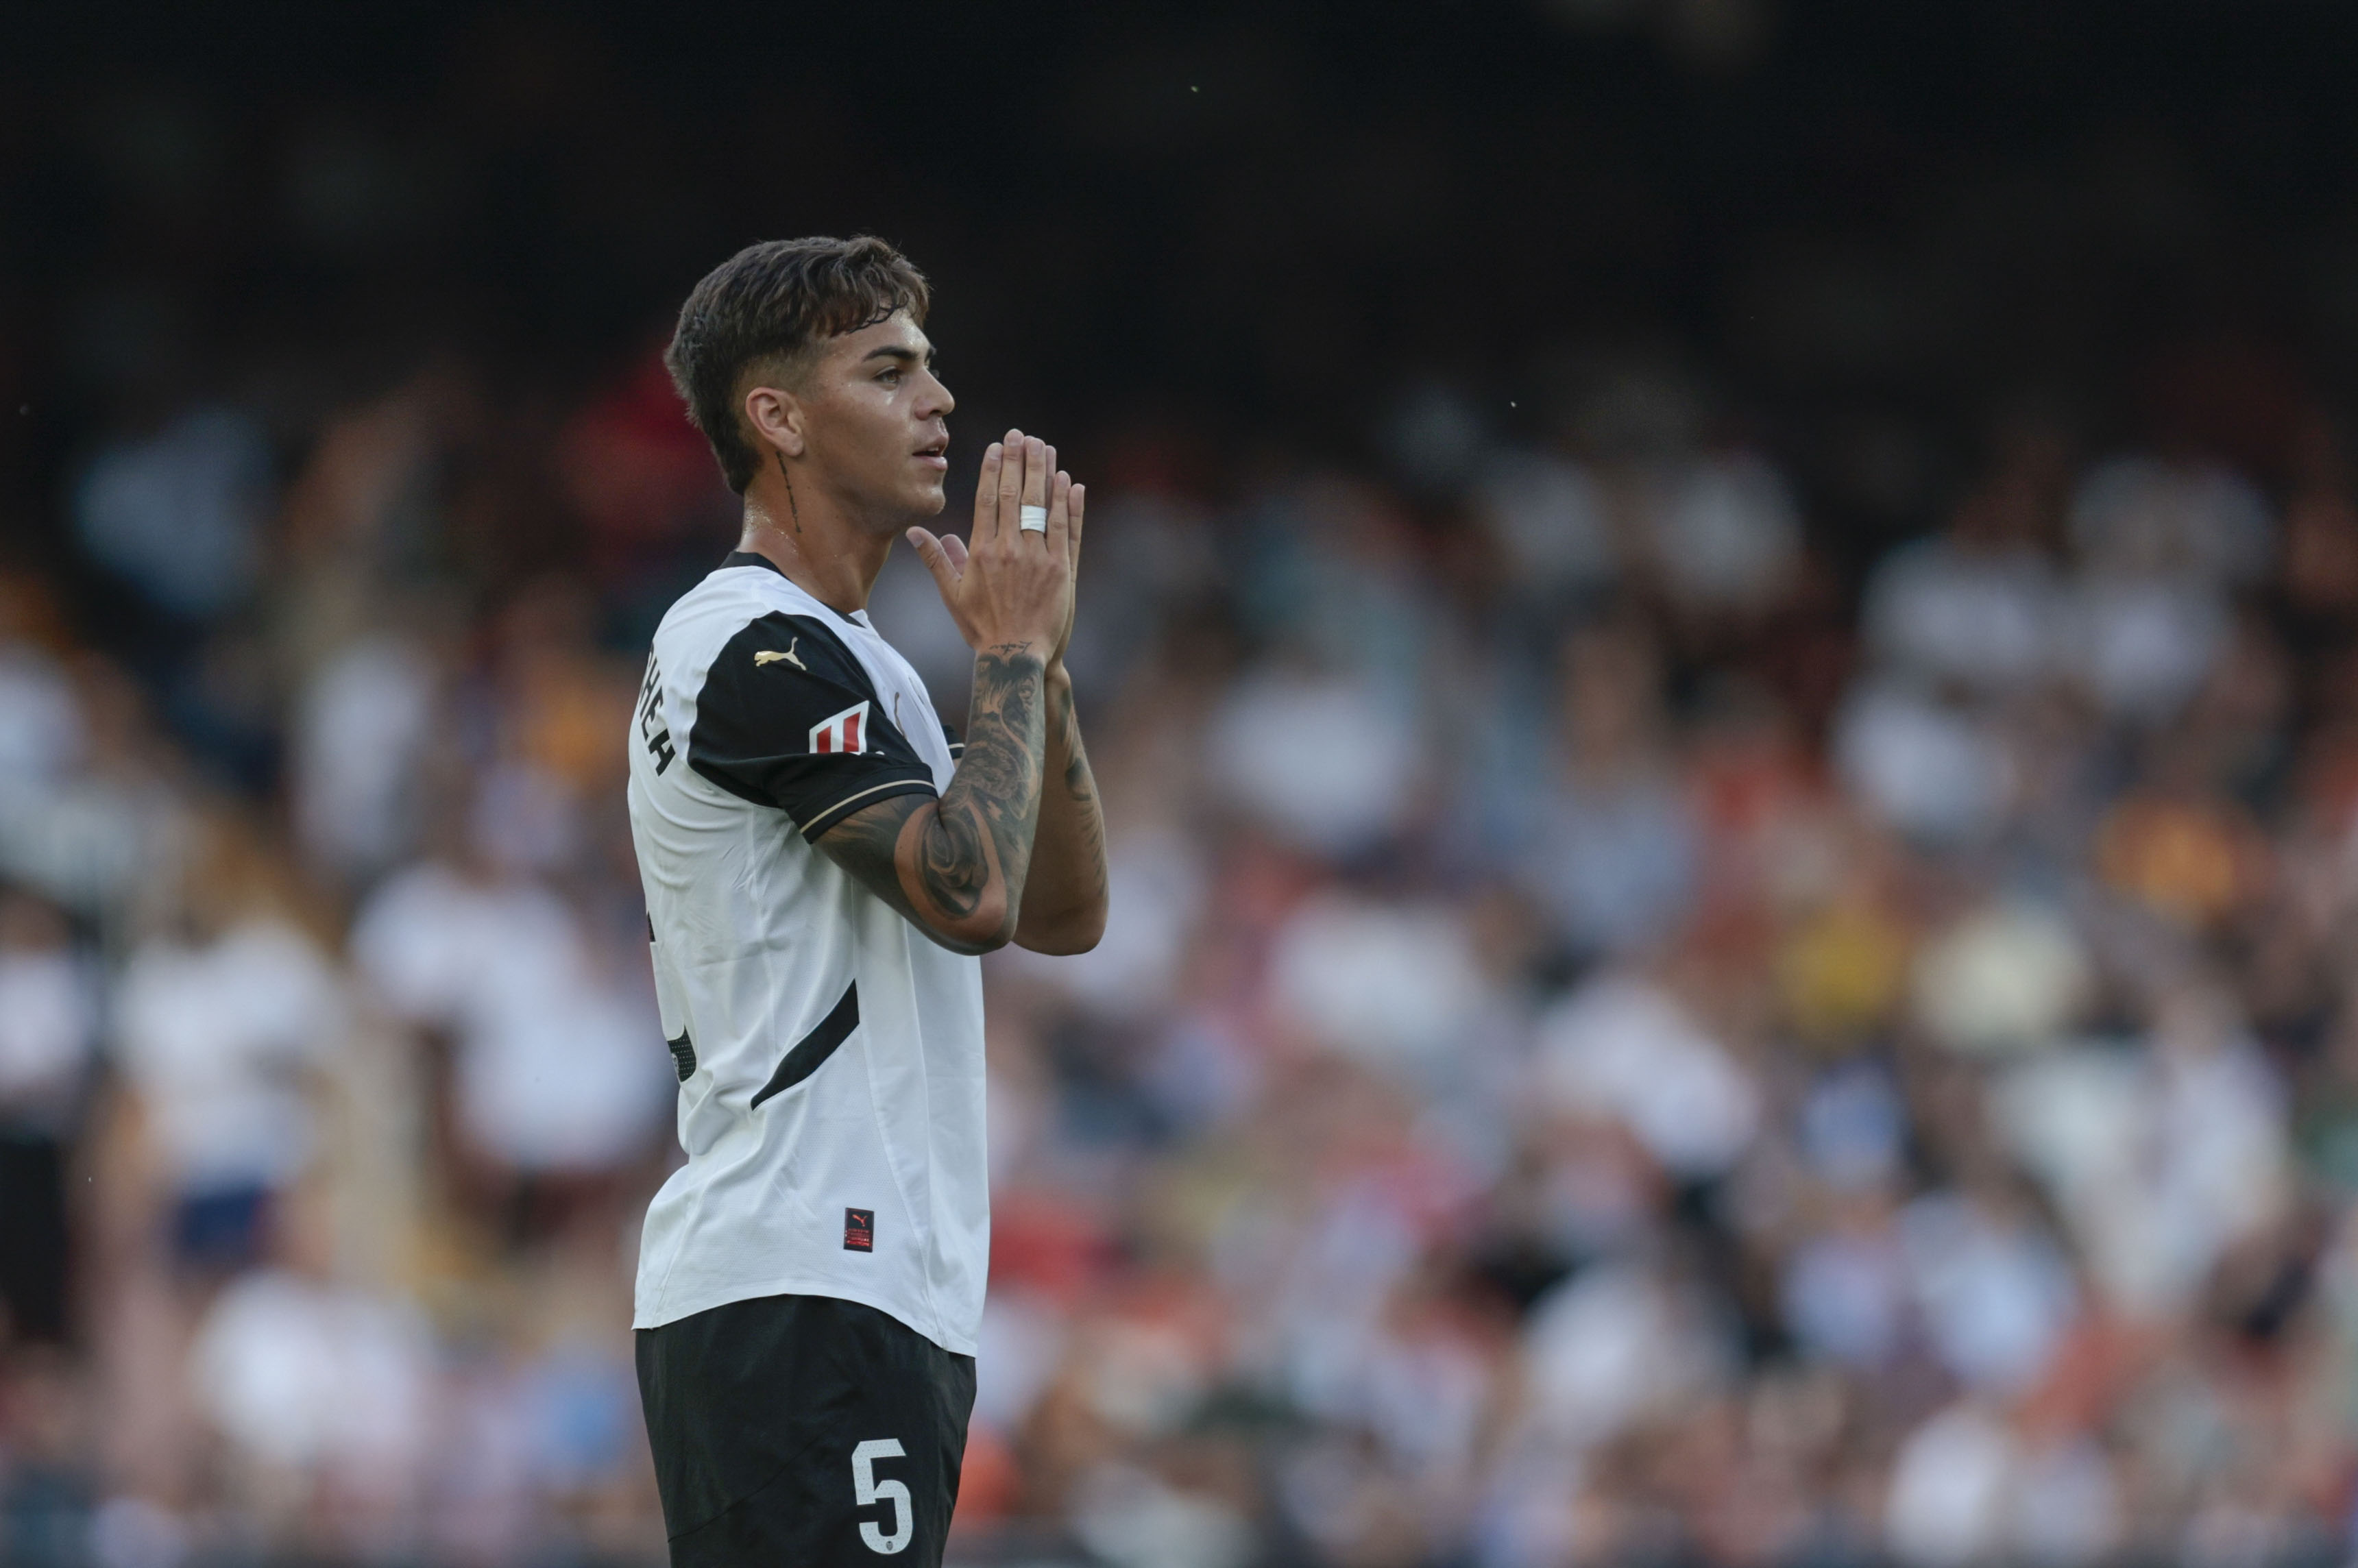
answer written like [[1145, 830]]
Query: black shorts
[[804, 1430]]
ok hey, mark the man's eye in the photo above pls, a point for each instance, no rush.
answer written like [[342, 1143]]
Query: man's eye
[[891, 378]]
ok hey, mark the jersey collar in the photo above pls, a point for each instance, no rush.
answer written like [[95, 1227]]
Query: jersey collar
[[755, 558]]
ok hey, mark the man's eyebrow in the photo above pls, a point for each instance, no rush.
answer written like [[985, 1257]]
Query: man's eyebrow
[[896, 352]]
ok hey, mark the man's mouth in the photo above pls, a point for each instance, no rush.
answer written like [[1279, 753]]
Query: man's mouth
[[935, 454]]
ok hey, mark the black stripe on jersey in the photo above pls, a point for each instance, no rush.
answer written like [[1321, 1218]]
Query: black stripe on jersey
[[779, 682], [811, 1051], [682, 1055]]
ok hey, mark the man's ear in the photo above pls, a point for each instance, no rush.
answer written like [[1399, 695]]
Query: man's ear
[[776, 417]]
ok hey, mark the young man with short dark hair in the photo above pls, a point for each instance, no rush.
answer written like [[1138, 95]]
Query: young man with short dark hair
[[822, 866]]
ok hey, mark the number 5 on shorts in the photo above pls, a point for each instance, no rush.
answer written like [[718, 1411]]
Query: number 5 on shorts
[[869, 1491]]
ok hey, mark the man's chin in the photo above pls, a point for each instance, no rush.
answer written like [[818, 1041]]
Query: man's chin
[[910, 507]]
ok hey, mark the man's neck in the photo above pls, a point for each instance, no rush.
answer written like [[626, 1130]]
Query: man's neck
[[812, 538]]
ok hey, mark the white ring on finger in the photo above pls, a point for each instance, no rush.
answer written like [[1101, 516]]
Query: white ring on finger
[[1033, 519]]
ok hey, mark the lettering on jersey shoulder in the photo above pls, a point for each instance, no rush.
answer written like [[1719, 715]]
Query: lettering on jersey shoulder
[[845, 733], [654, 730], [860, 1230]]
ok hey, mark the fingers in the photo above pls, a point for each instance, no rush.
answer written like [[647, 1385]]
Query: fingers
[[1038, 463], [1017, 472], [1010, 486], [1077, 505], [1059, 537], [986, 494], [954, 548], [1036, 469], [1049, 474], [938, 561]]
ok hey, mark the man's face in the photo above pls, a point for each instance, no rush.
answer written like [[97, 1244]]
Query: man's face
[[876, 421]]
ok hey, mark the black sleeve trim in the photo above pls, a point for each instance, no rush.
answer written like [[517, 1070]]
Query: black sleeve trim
[[779, 706], [818, 825]]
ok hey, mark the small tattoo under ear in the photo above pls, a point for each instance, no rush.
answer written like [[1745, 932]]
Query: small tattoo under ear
[[793, 509]]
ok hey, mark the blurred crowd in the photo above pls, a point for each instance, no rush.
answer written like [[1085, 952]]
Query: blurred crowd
[[1607, 1053], [1611, 1045]]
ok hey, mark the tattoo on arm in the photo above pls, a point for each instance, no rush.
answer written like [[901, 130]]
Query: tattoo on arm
[[953, 870], [994, 801], [935, 861], [863, 845], [1081, 789]]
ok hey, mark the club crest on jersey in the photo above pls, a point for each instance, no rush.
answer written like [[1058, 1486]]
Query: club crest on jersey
[[846, 732]]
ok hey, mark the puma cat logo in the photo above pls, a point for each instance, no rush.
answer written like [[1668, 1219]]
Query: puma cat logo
[[767, 657]]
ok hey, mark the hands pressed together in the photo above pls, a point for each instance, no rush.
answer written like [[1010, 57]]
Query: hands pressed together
[[1013, 847], [1011, 589]]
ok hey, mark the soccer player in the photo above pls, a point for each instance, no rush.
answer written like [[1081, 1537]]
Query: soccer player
[[822, 867]]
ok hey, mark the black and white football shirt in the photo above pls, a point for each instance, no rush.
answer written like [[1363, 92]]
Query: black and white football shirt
[[829, 1053]]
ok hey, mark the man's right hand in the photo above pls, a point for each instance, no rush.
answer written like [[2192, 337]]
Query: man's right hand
[[956, 867], [1010, 591]]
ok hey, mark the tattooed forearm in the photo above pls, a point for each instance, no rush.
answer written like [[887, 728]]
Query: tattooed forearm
[[956, 867], [1064, 735], [1065, 899], [1081, 787], [996, 795], [867, 845], [953, 870]]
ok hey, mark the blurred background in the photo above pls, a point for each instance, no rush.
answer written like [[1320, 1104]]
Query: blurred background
[[1718, 637]]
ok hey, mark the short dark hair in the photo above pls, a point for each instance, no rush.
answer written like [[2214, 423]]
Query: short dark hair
[[777, 302]]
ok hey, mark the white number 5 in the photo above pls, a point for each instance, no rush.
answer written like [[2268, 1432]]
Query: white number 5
[[869, 1489]]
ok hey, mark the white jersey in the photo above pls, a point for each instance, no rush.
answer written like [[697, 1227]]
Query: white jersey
[[829, 1053]]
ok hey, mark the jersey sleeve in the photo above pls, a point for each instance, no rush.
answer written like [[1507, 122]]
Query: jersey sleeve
[[788, 717]]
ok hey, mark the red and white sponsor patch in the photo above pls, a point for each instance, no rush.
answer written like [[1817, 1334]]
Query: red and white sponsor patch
[[846, 732]]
